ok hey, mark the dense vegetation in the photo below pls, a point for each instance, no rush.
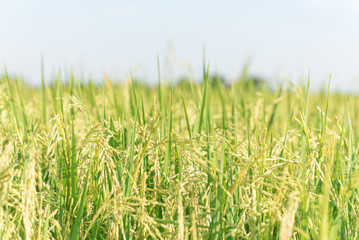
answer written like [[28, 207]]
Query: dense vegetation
[[80, 161]]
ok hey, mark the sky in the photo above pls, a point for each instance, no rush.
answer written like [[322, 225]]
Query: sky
[[279, 39]]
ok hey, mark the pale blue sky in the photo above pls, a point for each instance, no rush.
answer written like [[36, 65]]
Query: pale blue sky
[[279, 37]]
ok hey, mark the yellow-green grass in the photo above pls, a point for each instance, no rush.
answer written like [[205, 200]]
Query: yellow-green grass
[[80, 161]]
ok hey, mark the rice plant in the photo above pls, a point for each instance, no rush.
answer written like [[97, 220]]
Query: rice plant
[[196, 161]]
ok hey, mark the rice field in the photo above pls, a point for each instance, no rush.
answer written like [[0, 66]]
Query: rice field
[[188, 161]]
